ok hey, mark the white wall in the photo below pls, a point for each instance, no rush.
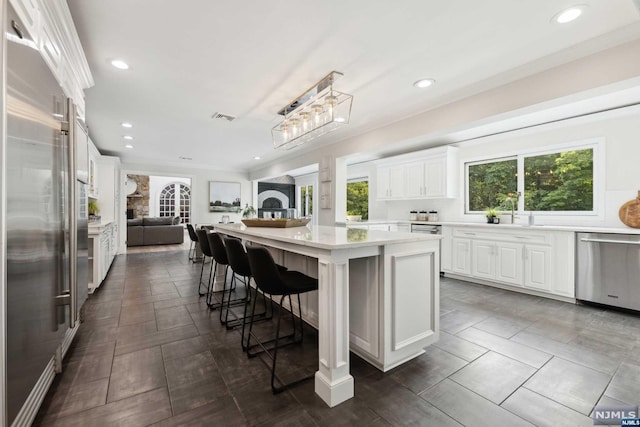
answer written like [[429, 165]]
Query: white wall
[[620, 131], [568, 90]]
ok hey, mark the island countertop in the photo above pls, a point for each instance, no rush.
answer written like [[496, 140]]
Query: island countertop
[[328, 237]]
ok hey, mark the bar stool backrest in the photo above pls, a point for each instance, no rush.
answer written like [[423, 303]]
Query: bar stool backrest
[[192, 233], [218, 249], [265, 272], [204, 242], [237, 256]]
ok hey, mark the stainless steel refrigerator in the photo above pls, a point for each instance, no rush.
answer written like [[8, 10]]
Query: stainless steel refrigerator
[[42, 206]]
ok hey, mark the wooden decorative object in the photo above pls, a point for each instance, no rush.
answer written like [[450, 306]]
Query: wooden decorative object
[[276, 223], [630, 212]]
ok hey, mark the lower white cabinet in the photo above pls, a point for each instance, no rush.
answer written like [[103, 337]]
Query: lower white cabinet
[[461, 258], [537, 268], [499, 261], [103, 241], [531, 259]]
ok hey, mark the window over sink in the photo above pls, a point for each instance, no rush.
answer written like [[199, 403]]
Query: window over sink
[[559, 180]]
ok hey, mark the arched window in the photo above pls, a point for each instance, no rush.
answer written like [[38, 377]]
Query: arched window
[[167, 203]]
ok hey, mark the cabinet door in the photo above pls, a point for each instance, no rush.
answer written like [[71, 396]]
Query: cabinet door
[[509, 263], [382, 184], [405, 228], [396, 182], [435, 179], [414, 180], [537, 267], [461, 258], [483, 264]]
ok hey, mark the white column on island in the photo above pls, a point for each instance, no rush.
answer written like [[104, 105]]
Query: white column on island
[[333, 382]]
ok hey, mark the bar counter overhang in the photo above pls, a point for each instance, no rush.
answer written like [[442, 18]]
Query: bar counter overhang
[[378, 294]]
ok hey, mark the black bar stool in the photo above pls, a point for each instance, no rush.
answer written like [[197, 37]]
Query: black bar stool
[[219, 253], [206, 252], [284, 284], [239, 263], [194, 241]]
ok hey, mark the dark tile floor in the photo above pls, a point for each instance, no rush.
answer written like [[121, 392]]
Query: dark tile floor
[[151, 353]]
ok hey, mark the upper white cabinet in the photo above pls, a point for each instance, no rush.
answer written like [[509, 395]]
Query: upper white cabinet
[[50, 24], [391, 182], [109, 197], [420, 175], [94, 156], [527, 258]]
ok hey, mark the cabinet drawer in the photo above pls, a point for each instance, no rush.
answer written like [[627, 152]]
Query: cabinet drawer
[[503, 235]]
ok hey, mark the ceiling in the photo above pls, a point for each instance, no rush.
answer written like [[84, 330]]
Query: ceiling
[[251, 58]]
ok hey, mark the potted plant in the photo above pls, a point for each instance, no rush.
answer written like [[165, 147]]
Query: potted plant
[[491, 214], [353, 216], [92, 208], [248, 211]]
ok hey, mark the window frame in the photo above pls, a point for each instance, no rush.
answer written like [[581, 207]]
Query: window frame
[[595, 144]]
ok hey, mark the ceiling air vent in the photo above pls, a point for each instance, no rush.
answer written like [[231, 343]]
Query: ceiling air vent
[[227, 117]]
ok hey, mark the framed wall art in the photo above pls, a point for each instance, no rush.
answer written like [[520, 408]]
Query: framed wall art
[[224, 196]]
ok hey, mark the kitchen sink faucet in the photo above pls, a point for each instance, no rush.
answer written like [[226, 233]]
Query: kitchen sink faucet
[[513, 215]]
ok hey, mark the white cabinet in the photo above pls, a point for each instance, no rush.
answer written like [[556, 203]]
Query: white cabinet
[[537, 272], [498, 261], [530, 259], [102, 251], [483, 263], [461, 256], [94, 155], [109, 178], [405, 228], [51, 28], [390, 183], [420, 175], [509, 263]]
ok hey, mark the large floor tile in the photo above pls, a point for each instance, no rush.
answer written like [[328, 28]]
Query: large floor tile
[[139, 410], [221, 412], [509, 348], [625, 385], [456, 321], [397, 405], [493, 376], [569, 384], [575, 353], [136, 372], [426, 370], [173, 317], [544, 412], [468, 408], [458, 347]]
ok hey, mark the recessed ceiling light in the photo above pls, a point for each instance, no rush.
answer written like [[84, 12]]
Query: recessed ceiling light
[[340, 119], [120, 64], [128, 146], [568, 15], [185, 158], [126, 125], [256, 158], [423, 83], [129, 137]]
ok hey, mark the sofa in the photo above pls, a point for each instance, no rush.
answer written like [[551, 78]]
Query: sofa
[[154, 231]]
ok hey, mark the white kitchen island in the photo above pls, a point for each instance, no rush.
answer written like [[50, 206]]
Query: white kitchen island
[[378, 294]]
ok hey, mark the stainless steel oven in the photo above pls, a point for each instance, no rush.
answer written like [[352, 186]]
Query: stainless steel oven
[[428, 229], [608, 269]]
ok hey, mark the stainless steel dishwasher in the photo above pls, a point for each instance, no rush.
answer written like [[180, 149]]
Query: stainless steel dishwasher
[[608, 269]]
